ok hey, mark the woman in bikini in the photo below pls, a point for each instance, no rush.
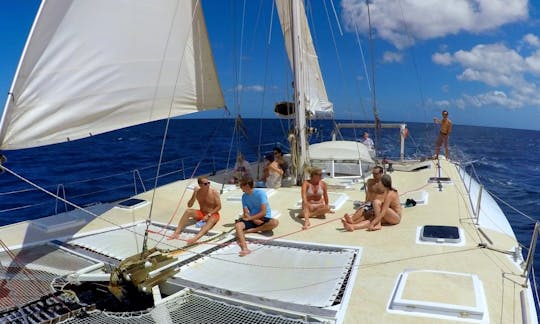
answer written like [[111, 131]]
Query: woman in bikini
[[314, 197]]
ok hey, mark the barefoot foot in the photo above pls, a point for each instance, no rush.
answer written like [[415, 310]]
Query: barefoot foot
[[347, 226], [348, 218], [244, 252]]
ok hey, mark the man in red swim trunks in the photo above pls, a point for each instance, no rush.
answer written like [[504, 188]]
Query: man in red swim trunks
[[208, 212]]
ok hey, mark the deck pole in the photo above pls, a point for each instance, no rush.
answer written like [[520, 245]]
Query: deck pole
[[478, 203], [530, 255]]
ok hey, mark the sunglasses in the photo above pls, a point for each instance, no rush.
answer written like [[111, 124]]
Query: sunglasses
[[205, 183]]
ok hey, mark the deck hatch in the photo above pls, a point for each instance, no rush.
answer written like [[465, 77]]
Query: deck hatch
[[439, 294], [440, 234]]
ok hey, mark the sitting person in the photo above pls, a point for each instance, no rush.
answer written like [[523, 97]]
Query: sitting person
[[272, 173], [241, 169], [283, 164], [256, 216], [386, 211], [314, 197], [208, 212], [375, 190]]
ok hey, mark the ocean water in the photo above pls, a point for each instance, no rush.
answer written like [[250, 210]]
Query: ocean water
[[116, 165]]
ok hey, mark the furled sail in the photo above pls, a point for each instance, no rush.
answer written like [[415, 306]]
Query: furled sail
[[94, 66], [313, 89]]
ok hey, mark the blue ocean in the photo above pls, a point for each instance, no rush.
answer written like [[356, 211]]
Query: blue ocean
[[119, 164]]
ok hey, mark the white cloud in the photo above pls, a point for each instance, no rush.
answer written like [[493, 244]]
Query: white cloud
[[533, 62], [491, 64], [497, 66], [392, 57], [442, 58], [532, 40], [251, 88], [402, 22]]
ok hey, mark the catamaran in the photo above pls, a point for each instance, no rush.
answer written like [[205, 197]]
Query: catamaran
[[453, 258]]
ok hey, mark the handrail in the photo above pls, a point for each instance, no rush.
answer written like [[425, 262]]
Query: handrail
[[401, 126], [530, 255], [135, 174], [479, 203], [63, 189]]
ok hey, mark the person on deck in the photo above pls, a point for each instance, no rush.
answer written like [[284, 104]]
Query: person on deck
[[375, 190], [367, 141], [314, 197], [208, 212], [256, 216], [278, 156], [272, 173], [386, 211], [444, 133], [241, 169]]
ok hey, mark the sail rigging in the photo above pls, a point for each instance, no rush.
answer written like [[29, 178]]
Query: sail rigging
[[78, 78], [310, 99]]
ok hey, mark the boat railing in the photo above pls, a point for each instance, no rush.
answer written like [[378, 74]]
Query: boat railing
[[137, 176], [530, 255], [470, 186], [129, 183], [60, 189]]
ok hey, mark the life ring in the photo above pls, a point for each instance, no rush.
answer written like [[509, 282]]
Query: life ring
[[405, 133]]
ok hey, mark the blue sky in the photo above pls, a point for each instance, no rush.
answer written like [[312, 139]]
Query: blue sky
[[478, 59]]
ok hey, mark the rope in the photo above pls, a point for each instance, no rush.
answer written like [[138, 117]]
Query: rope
[[165, 132]]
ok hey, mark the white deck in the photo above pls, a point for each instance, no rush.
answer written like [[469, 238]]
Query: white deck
[[304, 277]]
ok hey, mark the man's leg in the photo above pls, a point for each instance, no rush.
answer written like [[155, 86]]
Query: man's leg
[[268, 226], [446, 151], [438, 143], [182, 223], [240, 226], [208, 226]]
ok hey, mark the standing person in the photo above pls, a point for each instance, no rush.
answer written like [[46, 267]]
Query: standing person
[[444, 133], [387, 210], [256, 216], [314, 197], [375, 190], [208, 212], [367, 141]]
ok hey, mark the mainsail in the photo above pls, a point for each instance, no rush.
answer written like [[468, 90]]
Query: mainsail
[[90, 67], [313, 89]]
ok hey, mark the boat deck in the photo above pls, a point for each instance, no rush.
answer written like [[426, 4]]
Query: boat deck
[[390, 275]]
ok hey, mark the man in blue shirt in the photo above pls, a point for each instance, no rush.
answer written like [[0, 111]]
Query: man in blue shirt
[[256, 217]]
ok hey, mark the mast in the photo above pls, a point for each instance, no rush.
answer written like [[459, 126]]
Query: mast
[[376, 118], [299, 96]]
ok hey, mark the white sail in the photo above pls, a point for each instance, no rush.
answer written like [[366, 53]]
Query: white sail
[[127, 63], [313, 90]]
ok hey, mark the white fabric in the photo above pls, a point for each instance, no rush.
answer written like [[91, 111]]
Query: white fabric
[[94, 66], [339, 150], [312, 89]]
